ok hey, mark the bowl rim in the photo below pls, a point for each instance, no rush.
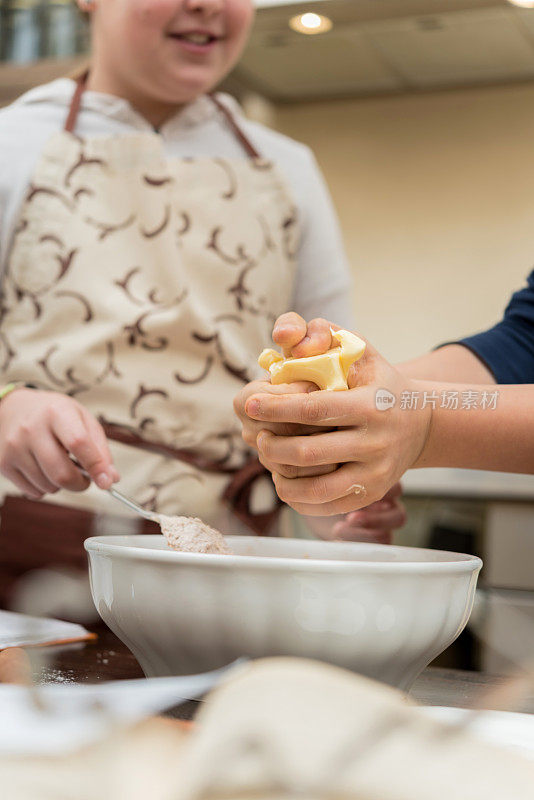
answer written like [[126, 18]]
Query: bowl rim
[[105, 545]]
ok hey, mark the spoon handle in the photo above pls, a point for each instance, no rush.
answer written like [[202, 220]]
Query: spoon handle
[[151, 515]]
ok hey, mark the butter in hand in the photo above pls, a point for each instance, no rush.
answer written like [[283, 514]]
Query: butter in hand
[[329, 370]]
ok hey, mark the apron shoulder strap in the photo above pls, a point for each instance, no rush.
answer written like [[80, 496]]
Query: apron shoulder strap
[[239, 134], [81, 83], [75, 103]]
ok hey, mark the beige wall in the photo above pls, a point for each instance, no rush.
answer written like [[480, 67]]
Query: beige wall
[[436, 198]]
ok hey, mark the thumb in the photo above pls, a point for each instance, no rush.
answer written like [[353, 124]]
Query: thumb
[[298, 387], [364, 371]]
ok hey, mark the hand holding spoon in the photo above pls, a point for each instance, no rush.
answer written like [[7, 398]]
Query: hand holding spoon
[[182, 533]]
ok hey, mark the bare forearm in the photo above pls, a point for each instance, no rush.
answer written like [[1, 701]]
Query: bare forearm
[[453, 363], [485, 437]]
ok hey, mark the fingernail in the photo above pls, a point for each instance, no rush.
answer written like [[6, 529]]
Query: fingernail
[[103, 481], [115, 475], [252, 407]]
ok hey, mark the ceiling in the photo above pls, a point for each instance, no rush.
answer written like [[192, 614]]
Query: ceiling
[[384, 46]]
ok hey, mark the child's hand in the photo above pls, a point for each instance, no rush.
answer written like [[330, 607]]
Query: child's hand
[[369, 450], [374, 523], [38, 431]]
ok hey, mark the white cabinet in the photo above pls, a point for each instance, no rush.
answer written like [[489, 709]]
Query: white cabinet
[[506, 630], [509, 546]]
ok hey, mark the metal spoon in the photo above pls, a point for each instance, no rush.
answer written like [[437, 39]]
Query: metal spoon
[[151, 515]]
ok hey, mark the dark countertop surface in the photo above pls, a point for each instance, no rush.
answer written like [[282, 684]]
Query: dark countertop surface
[[108, 659]]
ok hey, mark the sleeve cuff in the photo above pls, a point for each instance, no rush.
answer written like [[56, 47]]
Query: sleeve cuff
[[506, 350]]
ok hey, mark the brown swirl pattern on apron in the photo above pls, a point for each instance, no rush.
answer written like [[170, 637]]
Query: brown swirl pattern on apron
[[145, 287]]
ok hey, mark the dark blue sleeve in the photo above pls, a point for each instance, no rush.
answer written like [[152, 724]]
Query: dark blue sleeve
[[508, 348]]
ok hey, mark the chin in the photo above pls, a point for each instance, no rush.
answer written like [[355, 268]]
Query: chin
[[189, 84]]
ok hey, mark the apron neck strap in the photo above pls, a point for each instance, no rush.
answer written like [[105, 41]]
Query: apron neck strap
[[75, 103], [239, 134], [81, 83]]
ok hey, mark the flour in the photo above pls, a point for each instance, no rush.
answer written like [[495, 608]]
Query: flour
[[191, 535]]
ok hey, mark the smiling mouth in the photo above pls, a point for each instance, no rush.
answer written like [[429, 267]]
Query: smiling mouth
[[195, 38]]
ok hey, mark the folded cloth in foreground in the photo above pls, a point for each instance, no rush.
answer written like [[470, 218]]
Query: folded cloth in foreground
[[21, 630]]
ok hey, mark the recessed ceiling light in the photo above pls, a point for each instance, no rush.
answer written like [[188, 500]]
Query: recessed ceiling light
[[311, 23], [523, 3]]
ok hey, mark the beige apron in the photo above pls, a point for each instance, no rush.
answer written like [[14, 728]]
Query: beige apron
[[145, 287]]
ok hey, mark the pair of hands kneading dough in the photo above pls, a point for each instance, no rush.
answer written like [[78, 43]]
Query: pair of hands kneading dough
[[356, 452], [328, 370]]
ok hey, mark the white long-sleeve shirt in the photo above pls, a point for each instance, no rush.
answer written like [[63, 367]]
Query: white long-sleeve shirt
[[322, 286]]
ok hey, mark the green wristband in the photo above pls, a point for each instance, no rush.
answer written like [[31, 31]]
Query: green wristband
[[9, 387]]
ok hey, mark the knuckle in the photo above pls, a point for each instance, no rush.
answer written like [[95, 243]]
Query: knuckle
[[239, 403], [380, 443], [289, 470], [248, 437], [375, 488], [60, 405], [302, 454], [62, 476], [75, 441], [281, 488], [12, 445], [382, 472], [25, 429], [313, 410], [318, 489], [310, 455], [379, 454], [265, 463], [318, 322], [264, 446]]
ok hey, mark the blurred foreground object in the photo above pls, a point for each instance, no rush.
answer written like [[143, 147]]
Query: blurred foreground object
[[283, 728], [21, 630], [15, 667]]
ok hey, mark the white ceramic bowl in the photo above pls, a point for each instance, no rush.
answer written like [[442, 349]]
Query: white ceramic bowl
[[382, 611]]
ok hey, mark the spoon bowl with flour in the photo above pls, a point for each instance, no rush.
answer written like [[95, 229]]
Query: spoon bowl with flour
[[186, 534]]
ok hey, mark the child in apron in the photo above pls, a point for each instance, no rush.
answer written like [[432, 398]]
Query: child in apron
[[151, 237]]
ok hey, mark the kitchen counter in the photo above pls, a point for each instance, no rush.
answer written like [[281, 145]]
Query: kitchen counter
[[108, 659], [469, 484]]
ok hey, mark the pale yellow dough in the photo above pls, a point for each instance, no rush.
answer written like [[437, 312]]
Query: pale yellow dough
[[329, 370]]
